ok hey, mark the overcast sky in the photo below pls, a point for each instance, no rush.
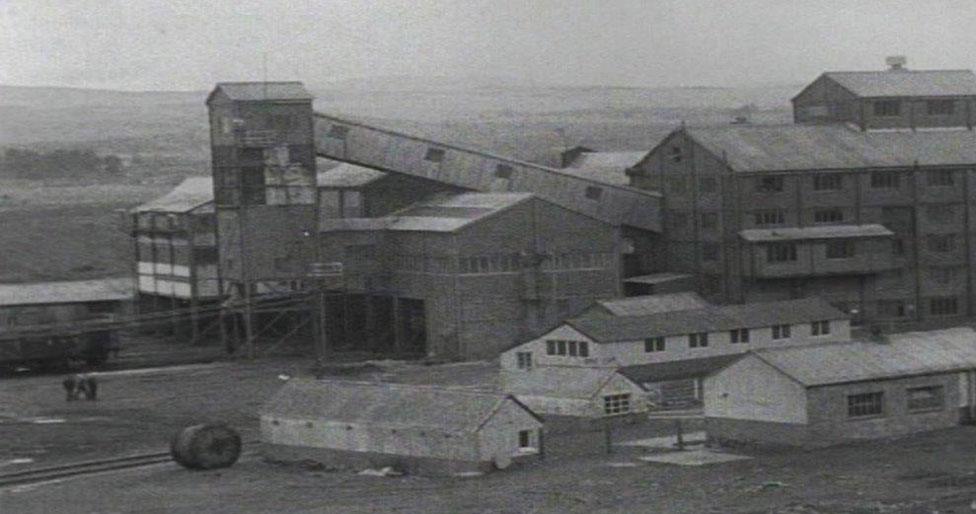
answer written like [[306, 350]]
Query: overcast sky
[[190, 44]]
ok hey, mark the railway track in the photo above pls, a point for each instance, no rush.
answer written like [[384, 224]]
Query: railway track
[[39, 475]]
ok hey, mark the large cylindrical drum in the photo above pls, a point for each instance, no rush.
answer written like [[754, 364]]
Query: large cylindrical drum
[[208, 446]]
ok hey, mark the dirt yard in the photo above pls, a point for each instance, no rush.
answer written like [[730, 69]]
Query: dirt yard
[[139, 410]]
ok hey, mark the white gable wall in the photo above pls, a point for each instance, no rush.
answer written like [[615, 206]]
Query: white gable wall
[[537, 347], [753, 390], [499, 436]]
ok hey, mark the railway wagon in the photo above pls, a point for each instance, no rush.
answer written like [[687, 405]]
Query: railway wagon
[[53, 322]]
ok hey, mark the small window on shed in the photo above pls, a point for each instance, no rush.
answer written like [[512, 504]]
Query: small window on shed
[[525, 439], [434, 155], [676, 153], [338, 131], [503, 171], [887, 108], [594, 193], [867, 404], [925, 398]]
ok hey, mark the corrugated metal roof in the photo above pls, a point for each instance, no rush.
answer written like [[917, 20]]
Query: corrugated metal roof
[[614, 160], [906, 82], [348, 176], [449, 212], [580, 382], [677, 370], [820, 232], [824, 147], [914, 353], [385, 404], [658, 278], [188, 195], [38, 293], [256, 91], [653, 304], [709, 319]]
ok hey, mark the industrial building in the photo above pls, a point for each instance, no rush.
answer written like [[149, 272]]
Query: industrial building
[[670, 352], [45, 321], [417, 429], [824, 394], [897, 98]]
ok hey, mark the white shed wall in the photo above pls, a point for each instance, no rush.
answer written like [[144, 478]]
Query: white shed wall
[[751, 389]]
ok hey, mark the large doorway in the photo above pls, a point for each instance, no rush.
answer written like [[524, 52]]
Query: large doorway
[[412, 326]]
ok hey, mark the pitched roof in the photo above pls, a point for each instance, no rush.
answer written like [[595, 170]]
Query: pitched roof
[[580, 382], [677, 370], [37, 293], [258, 91], [906, 82], [653, 304], [914, 353], [449, 212], [616, 160], [386, 404], [348, 176], [826, 147], [658, 278], [709, 319], [820, 232], [193, 192]]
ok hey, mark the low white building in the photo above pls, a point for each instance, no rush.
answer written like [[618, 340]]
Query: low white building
[[695, 337], [584, 392], [418, 429]]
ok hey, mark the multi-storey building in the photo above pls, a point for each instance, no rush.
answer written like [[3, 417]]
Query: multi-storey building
[[894, 99], [880, 223]]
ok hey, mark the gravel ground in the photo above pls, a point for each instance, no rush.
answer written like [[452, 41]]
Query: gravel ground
[[138, 411]]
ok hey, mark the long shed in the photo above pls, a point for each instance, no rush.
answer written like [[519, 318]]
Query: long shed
[[413, 428]]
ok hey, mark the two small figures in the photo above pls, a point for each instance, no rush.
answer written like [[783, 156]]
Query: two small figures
[[76, 385]]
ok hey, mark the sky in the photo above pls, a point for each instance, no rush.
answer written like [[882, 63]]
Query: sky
[[191, 44]]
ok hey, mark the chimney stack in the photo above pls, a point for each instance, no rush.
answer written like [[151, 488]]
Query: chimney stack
[[896, 62]]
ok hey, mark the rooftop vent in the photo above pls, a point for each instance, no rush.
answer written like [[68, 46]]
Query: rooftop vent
[[896, 62]]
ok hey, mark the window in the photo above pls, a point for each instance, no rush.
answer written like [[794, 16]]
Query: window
[[820, 328], [941, 243], [885, 180], [827, 182], [654, 344], [524, 360], [550, 347], [709, 220], [940, 107], [866, 404], [944, 276], [887, 108], [710, 251], [584, 348], [843, 249], [925, 398], [828, 216], [503, 171], [769, 184], [769, 217], [572, 348], [616, 403], [781, 331], [739, 335], [434, 155], [939, 213], [561, 347], [781, 252], [943, 306], [891, 308], [594, 193], [676, 153], [525, 438], [338, 131], [708, 184], [698, 340], [939, 178]]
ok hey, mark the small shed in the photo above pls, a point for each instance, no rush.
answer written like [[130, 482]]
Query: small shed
[[413, 428], [575, 391], [824, 394], [40, 303]]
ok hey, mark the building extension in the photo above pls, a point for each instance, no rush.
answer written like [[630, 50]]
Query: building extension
[[818, 395], [417, 429]]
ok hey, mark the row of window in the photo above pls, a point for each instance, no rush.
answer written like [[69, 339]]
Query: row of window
[[564, 347], [917, 399], [835, 182], [501, 263], [736, 336], [892, 108], [787, 252]]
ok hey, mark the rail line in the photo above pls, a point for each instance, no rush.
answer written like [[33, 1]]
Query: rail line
[[39, 475]]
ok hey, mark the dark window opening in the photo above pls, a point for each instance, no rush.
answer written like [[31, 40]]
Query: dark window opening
[[831, 182], [828, 216], [781, 252], [940, 107], [434, 155], [338, 131], [503, 171], [594, 193], [654, 344], [867, 404], [887, 108]]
